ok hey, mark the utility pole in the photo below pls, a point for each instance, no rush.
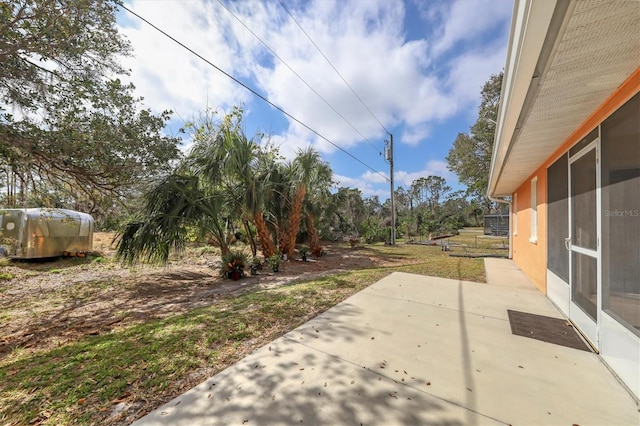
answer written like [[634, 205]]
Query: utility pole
[[389, 158]]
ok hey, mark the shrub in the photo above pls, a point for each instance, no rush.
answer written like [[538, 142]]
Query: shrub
[[274, 262], [233, 262]]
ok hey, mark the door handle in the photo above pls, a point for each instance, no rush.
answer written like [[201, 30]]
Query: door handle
[[567, 243]]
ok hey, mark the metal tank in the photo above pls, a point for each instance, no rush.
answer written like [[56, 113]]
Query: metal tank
[[39, 233]]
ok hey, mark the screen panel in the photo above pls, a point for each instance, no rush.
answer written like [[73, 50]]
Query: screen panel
[[558, 218], [621, 214]]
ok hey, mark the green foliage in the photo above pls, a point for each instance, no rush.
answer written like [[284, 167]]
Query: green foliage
[[234, 261], [6, 276], [223, 190], [373, 232], [193, 234], [343, 214], [427, 192], [274, 262], [256, 262], [81, 135], [470, 156], [171, 206]]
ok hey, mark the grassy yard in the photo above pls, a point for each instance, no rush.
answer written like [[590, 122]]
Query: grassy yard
[[115, 377]]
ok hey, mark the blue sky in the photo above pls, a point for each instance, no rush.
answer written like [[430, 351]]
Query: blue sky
[[418, 65]]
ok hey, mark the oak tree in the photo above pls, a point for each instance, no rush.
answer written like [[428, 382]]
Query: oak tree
[[67, 123]]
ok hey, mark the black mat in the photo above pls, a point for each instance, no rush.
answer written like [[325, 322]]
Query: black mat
[[552, 330]]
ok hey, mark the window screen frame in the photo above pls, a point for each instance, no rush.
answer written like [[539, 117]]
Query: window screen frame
[[533, 236]]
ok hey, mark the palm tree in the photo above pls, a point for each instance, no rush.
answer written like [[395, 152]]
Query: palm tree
[[256, 198], [302, 172], [201, 194], [318, 181], [175, 204], [277, 202], [241, 168]]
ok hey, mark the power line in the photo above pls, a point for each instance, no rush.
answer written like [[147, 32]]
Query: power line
[[403, 182], [334, 68], [250, 89], [296, 74]]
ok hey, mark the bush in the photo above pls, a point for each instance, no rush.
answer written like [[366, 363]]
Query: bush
[[373, 232], [274, 262], [233, 263]]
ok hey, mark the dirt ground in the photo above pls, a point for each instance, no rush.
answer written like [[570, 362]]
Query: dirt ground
[[47, 304]]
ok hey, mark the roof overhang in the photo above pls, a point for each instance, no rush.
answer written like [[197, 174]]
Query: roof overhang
[[565, 58]]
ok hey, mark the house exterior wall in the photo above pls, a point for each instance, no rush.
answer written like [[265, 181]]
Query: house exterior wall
[[532, 257]]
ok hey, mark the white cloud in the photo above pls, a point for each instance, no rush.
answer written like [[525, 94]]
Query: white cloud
[[411, 86], [471, 71], [413, 135], [289, 145], [364, 185], [347, 181], [466, 21], [432, 168], [370, 176], [362, 39], [170, 77], [371, 183]]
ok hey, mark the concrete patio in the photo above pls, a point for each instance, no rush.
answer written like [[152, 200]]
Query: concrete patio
[[413, 350]]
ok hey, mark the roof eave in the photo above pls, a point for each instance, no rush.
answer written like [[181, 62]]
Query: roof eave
[[529, 31]]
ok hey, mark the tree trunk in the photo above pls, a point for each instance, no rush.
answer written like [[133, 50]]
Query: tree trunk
[[294, 220], [252, 241], [11, 189], [22, 191], [264, 235], [282, 240], [314, 241]]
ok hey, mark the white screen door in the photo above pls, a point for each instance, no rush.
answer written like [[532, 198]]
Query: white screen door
[[583, 241]]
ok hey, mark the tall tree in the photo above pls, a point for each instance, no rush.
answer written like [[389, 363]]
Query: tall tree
[[428, 191], [319, 182], [309, 176], [470, 156], [66, 121]]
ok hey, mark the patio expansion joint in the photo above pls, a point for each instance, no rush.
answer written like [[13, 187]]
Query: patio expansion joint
[[444, 400], [372, 293]]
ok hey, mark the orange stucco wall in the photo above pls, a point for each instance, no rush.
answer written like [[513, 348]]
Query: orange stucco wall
[[532, 257]]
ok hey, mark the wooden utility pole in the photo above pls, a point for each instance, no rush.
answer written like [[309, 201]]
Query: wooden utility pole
[[389, 158]]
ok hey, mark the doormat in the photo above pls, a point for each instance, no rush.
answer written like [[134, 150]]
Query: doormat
[[552, 330]]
